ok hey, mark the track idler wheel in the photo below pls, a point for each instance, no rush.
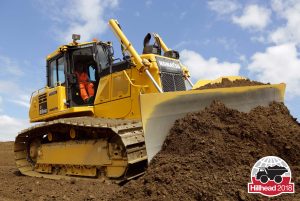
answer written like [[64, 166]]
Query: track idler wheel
[[50, 137], [34, 149], [73, 134]]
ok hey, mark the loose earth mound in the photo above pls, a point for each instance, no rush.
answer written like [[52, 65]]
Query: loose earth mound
[[227, 83], [208, 155]]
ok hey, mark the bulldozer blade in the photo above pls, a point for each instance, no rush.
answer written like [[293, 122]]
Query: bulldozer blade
[[160, 110]]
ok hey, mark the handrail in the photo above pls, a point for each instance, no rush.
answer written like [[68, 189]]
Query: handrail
[[37, 92], [134, 85]]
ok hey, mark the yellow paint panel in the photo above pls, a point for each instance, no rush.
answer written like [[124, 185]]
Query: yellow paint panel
[[114, 109], [75, 153], [56, 97], [48, 102], [120, 86], [103, 92], [70, 112]]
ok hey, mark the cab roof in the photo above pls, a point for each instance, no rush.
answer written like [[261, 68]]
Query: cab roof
[[64, 48]]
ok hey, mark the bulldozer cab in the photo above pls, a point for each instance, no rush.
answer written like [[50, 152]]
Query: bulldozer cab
[[81, 61], [92, 59], [61, 96]]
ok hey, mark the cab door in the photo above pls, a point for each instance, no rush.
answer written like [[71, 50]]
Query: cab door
[[56, 93]]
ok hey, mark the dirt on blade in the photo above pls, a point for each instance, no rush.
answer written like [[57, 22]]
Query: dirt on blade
[[208, 155], [227, 83]]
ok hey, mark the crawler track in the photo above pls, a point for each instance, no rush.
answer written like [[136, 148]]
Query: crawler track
[[119, 142]]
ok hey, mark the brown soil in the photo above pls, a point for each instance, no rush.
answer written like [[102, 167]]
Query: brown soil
[[15, 187], [209, 155], [227, 83]]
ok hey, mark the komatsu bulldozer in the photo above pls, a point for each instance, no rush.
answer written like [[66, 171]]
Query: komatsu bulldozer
[[136, 101]]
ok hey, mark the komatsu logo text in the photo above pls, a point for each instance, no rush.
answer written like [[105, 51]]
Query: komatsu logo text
[[169, 64]]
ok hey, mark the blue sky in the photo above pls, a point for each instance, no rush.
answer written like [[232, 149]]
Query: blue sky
[[257, 39]]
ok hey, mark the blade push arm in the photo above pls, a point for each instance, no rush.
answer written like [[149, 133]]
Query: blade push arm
[[141, 64], [126, 44]]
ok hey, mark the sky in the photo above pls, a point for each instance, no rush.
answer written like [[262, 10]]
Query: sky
[[252, 38]]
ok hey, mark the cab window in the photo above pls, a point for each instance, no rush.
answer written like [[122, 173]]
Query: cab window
[[83, 58], [92, 73], [53, 74], [61, 70], [56, 72], [103, 57]]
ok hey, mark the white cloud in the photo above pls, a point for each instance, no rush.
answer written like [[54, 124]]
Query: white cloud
[[86, 18], [243, 58], [22, 100], [260, 39], [137, 14], [182, 15], [289, 10], [223, 6], [13, 92], [227, 43], [148, 3], [253, 16], [9, 67], [10, 127], [10, 88], [1, 102], [278, 64], [200, 68], [187, 43]]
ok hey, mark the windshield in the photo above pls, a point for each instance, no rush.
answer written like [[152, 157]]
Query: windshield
[[102, 56], [89, 56], [83, 62], [83, 56]]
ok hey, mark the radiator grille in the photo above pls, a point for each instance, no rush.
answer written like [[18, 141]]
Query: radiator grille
[[172, 82]]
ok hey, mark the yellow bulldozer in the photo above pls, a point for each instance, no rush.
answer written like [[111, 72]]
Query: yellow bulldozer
[[123, 125]]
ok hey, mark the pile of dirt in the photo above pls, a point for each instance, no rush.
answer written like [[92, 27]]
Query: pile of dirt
[[208, 155], [228, 83]]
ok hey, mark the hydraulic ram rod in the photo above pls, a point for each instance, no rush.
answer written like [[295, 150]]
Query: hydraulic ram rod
[[126, 43], [128, 46], [153, 81]]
